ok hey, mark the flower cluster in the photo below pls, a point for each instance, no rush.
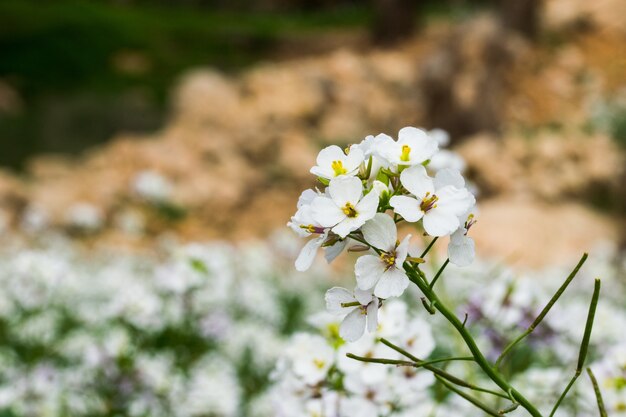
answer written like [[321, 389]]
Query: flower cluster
[[315, 377], [194, 334], [371, 188]]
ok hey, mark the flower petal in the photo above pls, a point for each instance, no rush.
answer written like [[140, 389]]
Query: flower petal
[[335, 297], [448, 176], [368, 205], [353, 326], [347, 225], [454, 200], [407, 207], [331, 252], [354, 159], [372, 316], [325, 159], [402, 251], [422, 145], [392, 284], [461, 248], [368, 270], [381, 232], [307, 254], [325, 212], [416, 180], [363, 296], [345, 190], [440, 222]]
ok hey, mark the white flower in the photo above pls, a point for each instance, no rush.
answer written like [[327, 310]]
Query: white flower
[[446, 159], [441, 136], [152, 186], [346, 209], [413, 147], [440, 201], [311, 357], [84, 216], [383, 272], [305, 225], [361, 307], [461, 250], [333, 162]]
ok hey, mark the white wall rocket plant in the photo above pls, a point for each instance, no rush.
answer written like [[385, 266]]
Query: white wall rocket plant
[[370, 189]]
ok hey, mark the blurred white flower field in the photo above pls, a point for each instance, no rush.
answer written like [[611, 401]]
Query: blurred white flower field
[[220, 330]]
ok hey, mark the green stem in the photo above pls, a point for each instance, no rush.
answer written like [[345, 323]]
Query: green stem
[[469, 398], [596, 390], [584, 345], [544, 312], [480, 359], [430, 245], [432, 283], [562, 397], [441, 372]]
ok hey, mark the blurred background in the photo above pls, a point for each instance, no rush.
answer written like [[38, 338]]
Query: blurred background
[[123, 120], [130, 129]]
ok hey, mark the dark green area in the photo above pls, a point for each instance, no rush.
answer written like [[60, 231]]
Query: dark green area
[[60, 56]]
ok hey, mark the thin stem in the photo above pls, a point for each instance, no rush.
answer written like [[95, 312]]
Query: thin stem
[[380, 360], [544, 312], [430, 245], [415, 364], [584, 346], [469, 398], [596, 390], [562, 397], [493, 374], [432, 283], [441, 372]]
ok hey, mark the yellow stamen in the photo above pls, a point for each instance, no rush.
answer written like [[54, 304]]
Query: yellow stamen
[[406, 151], [349, 210], [309, 228], [429, 202], [319, 363], [338, 168], [389, 259]]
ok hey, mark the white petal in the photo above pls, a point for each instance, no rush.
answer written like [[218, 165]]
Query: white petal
[[368, 205], [422, 146], [448, 176], [461, 249], [402, 251], [307, 254], [354, 159], [363, 296], [306, 198], [325, 159], [331, 252], [325, 212], [392, 284], [335, 297], [349, 224], [454, 200], [440, 222], [441, 136], [407, 207], [353, 326], [381, 232], [372, 316], [416, 180], [368, 270], [345, 190]]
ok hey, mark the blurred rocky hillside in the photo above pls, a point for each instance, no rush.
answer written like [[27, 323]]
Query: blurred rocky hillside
[[235, 152]]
